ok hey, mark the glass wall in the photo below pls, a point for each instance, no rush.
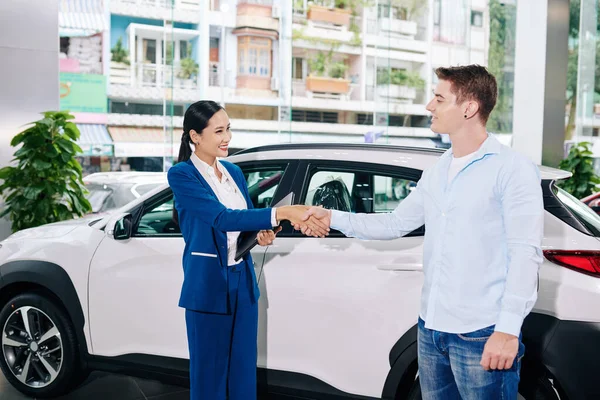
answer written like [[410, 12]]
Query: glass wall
[[352, 71]]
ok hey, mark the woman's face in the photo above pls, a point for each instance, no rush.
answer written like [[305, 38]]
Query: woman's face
[[214, 140]]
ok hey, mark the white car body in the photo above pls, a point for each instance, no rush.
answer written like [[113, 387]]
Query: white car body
[[331, 309]]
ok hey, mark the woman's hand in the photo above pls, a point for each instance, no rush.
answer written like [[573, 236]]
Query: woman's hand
[[266, 238]]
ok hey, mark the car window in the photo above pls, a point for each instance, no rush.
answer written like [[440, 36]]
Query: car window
[[158, 220], [583, 213], [389, 192], [358, 192], [262, 184]]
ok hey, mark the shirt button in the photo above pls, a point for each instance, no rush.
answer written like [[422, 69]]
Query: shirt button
[[443, 214]]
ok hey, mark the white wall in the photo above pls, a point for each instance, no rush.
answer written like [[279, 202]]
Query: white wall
[[28, 71]]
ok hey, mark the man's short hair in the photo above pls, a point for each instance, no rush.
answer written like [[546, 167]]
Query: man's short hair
[[472, 82]]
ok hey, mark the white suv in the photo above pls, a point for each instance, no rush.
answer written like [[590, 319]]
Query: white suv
[[337, 315]]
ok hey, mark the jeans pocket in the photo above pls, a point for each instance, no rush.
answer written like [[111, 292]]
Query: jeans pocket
[[481, 335]]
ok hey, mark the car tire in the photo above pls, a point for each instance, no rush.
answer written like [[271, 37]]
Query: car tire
[[40, 360]]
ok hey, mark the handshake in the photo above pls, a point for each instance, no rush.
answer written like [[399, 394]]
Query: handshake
[[311, 221]]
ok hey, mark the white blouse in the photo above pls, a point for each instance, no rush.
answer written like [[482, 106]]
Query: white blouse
[[229, 195]]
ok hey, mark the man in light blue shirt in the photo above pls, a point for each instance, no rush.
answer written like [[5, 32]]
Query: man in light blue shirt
[[483, 211]]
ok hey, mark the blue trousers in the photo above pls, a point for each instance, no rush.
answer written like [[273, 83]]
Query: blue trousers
[[449, 367], [223, 346]]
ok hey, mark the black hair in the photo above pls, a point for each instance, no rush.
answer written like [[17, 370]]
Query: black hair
[[196, 117]]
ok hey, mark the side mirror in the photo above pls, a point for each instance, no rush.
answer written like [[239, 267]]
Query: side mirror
[[120, 228]]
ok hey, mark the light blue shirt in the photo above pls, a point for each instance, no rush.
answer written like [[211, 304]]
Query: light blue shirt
[[482, 245]]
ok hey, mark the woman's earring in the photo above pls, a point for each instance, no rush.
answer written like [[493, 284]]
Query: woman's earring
[[465, 116]]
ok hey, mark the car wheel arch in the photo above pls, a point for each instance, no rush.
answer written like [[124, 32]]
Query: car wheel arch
[[17, 277], [403, 366]]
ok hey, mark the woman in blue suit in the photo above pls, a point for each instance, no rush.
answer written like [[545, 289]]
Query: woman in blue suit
[[219, 294]]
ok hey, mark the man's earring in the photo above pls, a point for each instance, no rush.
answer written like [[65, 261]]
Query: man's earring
[[465, 115]]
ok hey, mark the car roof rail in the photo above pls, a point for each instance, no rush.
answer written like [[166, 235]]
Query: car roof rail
[[335, 146]]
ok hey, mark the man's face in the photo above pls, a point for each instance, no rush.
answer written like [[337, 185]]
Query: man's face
[[447, 116]]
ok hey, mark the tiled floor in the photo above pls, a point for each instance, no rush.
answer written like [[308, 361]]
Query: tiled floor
[[103, 386]]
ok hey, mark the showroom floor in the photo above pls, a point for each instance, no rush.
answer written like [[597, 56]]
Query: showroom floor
[[103, 386]]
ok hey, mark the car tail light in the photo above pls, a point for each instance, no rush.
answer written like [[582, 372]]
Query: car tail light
[[587, 262]]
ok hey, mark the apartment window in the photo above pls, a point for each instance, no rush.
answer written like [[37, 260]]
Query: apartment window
[[297, 68], [263, 62], [314, 116], [117, 107], [149, 51], [254, 56], [183, 50], [477, 19], [450, 18], [393, 120], [364, 119], [388, 11]]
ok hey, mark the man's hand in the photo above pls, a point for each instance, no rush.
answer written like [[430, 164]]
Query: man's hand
[[500, 351], [266, 238], [319, 213]]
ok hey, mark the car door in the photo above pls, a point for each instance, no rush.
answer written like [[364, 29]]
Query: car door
[[334, 307], [134, 284]]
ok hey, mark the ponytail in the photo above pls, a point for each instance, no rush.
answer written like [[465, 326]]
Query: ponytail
[[185, 151]]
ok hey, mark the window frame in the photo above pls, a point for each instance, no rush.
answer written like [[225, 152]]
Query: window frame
[[147, 205], [250, 62], [308, 168], [476, 12], [289, 167]]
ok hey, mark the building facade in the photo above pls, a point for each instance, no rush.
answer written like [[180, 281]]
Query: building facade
[[285, 70]]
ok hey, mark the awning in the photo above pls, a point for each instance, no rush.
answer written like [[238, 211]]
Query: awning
[[135, 135], [144, 142], [81, 17], [94, 140]]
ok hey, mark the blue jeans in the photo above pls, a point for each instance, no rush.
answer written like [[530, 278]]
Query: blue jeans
[[449, 367]]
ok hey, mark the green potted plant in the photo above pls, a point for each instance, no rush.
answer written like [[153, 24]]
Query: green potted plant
[[46, 184], [579, 162], [399, 84], [325, 76], [119, 53], [318, 65], [188, 69], [338, 70]]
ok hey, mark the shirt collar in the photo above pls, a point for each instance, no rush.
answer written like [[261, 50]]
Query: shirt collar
[[204, 167], [491, 145]]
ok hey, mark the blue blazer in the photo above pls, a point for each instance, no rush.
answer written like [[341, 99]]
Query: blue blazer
[[204, 223]]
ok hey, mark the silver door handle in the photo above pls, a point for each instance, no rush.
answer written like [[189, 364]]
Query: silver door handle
[[400, 267]]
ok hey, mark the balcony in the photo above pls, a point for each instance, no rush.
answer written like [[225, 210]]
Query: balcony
[[398, 93], [257, 14], [140, 120], [330, 16], [406, 29], [325, 88], [152, 82], [187, 11]]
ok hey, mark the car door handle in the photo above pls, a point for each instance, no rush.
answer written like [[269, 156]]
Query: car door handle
[[401, 267]]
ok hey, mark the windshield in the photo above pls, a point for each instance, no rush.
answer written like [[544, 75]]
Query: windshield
[[584, 214], [109, 197]]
